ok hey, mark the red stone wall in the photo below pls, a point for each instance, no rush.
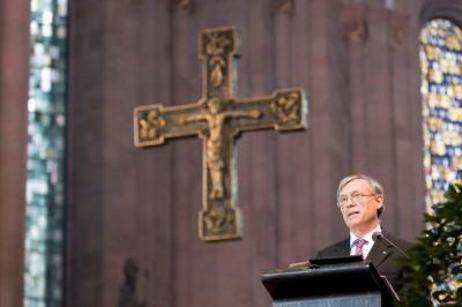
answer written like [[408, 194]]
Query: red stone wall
[[364, 116]]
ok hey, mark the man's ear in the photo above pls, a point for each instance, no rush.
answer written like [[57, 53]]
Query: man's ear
[[380, 198]]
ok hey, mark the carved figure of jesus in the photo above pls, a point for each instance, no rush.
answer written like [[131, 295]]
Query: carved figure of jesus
[[216, 118]]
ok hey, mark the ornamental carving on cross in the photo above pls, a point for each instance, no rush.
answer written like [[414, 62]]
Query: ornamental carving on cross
[[218, 118]]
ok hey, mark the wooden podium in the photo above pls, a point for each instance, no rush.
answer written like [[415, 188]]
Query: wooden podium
[[347, 281]]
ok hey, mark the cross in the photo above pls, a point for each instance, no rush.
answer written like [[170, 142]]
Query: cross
[[218, 117]]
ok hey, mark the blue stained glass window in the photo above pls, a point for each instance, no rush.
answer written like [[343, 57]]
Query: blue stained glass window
[[43, 274], [441, 64]]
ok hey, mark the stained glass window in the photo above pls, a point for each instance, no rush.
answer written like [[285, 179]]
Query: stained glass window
[[45, 155], [441, 63]]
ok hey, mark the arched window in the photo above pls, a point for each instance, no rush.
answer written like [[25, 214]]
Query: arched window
[[441, 64]]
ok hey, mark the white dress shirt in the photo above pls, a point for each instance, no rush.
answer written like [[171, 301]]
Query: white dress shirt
[[368, 237]]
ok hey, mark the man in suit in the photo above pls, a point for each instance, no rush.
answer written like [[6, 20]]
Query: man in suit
[[360, 199]]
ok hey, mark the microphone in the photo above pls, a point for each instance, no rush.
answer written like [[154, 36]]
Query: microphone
[[379, 236]]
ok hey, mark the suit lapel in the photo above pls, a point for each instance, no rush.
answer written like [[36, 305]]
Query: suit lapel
[[343, 248], [340, 249], [380, 252]]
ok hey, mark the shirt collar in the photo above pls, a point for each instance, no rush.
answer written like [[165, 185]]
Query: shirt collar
[[367, 237]]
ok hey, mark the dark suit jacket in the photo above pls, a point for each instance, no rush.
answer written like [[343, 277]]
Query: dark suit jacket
[[383, 255]]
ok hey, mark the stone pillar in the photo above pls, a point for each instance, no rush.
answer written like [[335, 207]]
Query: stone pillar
[[385, 109], [14, 71]]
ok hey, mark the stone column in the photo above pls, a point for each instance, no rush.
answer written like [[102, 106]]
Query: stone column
[[14, 71]]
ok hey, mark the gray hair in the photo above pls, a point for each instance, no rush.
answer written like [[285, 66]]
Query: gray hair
[[374, 184]]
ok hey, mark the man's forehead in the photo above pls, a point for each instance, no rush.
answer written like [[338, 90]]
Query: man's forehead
[[357, 184]]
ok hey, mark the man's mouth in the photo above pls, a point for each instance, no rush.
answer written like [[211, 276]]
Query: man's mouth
[[353, 213]]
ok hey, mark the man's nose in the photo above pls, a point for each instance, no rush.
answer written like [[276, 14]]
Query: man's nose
[[350, 202]]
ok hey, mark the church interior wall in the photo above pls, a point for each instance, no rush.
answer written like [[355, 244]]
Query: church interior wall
[[142, 204], [137, 208]]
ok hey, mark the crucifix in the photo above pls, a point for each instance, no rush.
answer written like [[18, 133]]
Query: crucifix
[[218, 117]]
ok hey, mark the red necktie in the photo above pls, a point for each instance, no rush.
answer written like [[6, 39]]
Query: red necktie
[[358, 244]]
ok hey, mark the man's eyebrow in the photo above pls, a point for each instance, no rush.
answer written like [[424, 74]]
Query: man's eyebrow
[[354, 191]]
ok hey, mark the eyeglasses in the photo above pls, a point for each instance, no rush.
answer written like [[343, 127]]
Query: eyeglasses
[[355, 197]]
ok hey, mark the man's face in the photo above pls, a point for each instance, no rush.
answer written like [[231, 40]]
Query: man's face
[[360, 213]]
